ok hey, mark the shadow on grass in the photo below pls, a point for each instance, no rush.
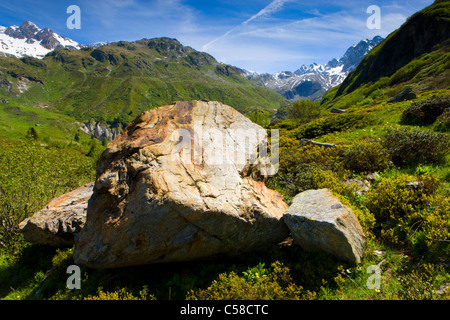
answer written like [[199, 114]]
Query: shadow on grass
[[20, 271], [168, 281]]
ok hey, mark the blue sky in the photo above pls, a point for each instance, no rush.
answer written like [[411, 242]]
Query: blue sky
[[260, 35]]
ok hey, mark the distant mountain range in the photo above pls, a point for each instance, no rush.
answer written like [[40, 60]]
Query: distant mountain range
[[311, 82]]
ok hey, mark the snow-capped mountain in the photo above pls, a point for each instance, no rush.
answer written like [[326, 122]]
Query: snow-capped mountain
[[30, 40], [311, 81]]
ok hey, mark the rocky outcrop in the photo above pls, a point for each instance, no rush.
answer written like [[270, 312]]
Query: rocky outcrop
[[100, 130], [318, 221], [178, 184], [406, 94], [58, 222]]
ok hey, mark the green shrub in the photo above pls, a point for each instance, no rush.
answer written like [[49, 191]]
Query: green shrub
[[288, 124], [335, 182], [121, 294], [31, 175], [435, 228], [32, 134], [425, 111], [275, 283], [413, 146], [418, 284], [442, 123], [333, 123], [304, 109], [397, 198], [300, 165], [259, 117], [366, 156], [397, 205]]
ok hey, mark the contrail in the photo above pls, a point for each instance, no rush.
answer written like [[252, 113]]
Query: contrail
[[272, 7]]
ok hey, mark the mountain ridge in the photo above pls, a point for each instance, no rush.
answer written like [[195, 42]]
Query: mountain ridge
[[418, 35], [113, 83], [311, 81], [416, 55]]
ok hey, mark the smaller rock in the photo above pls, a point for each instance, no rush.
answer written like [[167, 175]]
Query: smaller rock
[[336, 110], [318, 221], [443, 290], [406, 94], [60, 220], [362, 185], [372, 176], [378, 253], [414, 185], [305, 142]]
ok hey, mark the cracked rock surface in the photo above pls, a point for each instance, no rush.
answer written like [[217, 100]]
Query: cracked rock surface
[[181, 182], [60, 220], [318, 221]]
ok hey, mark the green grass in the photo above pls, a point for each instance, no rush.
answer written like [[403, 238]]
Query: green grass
[[38, 272], [15, 120]]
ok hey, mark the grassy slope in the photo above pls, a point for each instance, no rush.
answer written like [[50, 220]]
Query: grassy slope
[[422, 33], [321, 274], [120, 80], [23, 268]]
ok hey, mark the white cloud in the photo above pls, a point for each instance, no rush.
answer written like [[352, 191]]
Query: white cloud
[[272, 7], [281, 36], [267, 44]]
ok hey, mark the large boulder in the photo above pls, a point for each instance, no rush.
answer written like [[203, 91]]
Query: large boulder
[[318, 221], [60, 220], [181, 183]]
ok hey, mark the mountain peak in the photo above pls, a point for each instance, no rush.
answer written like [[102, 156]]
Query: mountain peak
[[355, 53], [30, 40], [28, 23]]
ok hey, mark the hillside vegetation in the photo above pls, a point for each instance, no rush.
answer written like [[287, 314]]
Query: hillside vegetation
[[116, 82]]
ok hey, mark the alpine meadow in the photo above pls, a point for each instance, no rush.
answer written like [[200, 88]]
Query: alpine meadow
[[103, 167]]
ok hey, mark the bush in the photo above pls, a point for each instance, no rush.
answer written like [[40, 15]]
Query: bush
[[259, 284], [395, 199], [300, 166], [436, 228], [259, 117], [413, 146], [288, 124], [121, 294], [305, 110], [398, 205], [333, 123], [366, 156], [426, 111], [32, 134], [30, 177], [418, 284], [442, 123]]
